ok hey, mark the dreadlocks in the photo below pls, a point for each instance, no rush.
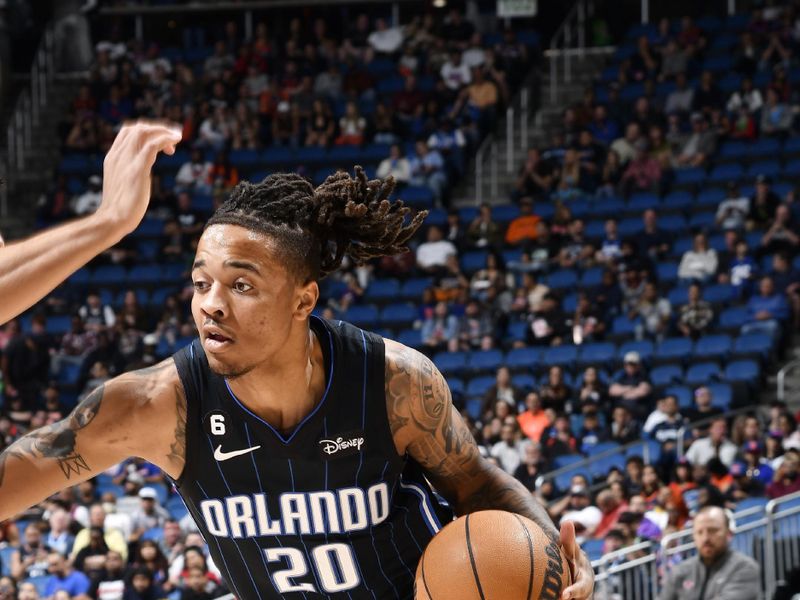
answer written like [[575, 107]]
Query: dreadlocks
[[316, 228]]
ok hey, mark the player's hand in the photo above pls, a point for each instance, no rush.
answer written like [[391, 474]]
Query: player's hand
[[126, 172], [579, 566]]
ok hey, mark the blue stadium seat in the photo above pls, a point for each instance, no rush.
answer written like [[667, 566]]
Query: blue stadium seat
[[641, 201], [144, 274], [559, 462], [485, 360], [597, 355], [666, 375], [411, 338], [713, 346], [451, 362], [474, 261], [570, 303], [725, 173], [745, 370], [752, 344], [721, 293], [505, 213], [678, 296], [524, 381], [479, 385], [690, 176], [473, 407], [770, 168], [667, 272], [176, 508], [382, 290], [148, 250], [412, 289], [58, 324], [702, 374], [562, 279], [673, 223], [6, 553], [398, 315], [417, 196], [733, 317], [245, 157], [718, 64], [675, 349], [703, 220], [276, 156], [456, 385], [623, 326], [523, 358], [109, 275], [631, 226], [159, 296], [81, 277], [150, 228], [683, 394], [517, 331], [591, 277], [154, 533], [709, 197], [564, 356], [764, 147], [375, 152], [363, 316], [40, 583], [645, 348]]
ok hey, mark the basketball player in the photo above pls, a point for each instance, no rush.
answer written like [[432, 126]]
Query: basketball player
[[32, 268], [300, 446]]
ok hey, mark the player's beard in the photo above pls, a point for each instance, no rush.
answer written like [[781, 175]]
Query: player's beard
[[229, 371]]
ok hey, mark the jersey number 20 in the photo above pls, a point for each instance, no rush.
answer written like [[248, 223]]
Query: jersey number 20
[[334, 564]]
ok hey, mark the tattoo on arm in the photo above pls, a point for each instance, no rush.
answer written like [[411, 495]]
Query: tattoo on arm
[[58, 440], [177, 449], [425, 423]]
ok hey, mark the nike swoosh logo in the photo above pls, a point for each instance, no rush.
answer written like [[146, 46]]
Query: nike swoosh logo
[[221, 456]]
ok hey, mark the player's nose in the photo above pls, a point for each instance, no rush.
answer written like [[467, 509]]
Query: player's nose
[[213, 302]]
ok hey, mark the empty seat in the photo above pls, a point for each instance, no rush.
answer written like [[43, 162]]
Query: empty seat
[[598, 354], [451, 362], [144, 274], [753, 344], [720, 293], [725, 173], [413, 288], [673, 349], [666, 375], [398, 315], [702, 374], [362, 316], [486, 360], [479, 386], [109, 275], [745, 370], [382, 290], [564, 356], [683, 394], [411, 338], [563, 278], [474, 261], [523, 358], [623, 326], [721, 395], [713, 346], [733, 317]]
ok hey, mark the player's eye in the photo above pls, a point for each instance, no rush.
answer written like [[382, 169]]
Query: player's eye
[[199, 285], [241, 286]]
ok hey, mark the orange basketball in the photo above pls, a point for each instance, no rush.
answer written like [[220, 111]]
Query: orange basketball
[[492, 555]]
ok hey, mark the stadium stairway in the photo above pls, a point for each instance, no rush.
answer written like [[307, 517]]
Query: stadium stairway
[[543, 116]]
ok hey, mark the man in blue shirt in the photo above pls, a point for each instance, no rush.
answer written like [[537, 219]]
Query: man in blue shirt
[[63, 577], [766, 310]]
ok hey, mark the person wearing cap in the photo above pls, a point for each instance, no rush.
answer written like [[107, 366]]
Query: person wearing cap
[[717, 571], [763, 203], [631, 387], [699, 146], [733, 210], [582, 513], [150, 513]]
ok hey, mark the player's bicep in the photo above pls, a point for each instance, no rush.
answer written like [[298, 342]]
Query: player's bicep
[[427, 426]]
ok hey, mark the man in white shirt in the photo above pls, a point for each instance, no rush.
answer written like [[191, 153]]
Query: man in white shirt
[[455, 73], [90, 200], [432, 254], [715, 445], [581, 512], [475, 55], [385, 39], [508, 451], [194, 174], [396, 165], [732, 212]]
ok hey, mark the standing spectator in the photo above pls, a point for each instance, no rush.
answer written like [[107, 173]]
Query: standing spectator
[[767, 310], [700, 262], [717, 570], [695, 316], [480, 99], [716, 445], [64, 577]]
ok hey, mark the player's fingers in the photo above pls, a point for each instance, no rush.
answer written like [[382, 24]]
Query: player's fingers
[[2, 241], [163, 142]]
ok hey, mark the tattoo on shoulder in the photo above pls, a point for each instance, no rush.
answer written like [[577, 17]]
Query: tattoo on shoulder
[[58, 440]]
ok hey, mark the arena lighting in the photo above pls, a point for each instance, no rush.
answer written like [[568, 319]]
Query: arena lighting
[[440, 3]]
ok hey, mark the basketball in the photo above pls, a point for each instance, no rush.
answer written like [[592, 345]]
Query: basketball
[[492, 555]]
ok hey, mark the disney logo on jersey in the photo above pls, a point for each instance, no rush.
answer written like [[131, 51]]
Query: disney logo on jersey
[[341, 445]]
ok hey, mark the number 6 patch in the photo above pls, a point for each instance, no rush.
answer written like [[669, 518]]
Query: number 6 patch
[[216, 422]]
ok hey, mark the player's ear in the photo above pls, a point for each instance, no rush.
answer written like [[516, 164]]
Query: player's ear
[[306, 299]]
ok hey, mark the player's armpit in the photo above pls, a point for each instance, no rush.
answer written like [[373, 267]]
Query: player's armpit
[[426, 425], [142, 413]]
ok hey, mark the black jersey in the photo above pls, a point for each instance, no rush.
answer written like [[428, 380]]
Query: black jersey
[[330, 510]]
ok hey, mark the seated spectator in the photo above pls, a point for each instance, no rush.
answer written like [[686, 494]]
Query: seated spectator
[[739, 126], [776, 116], [150, 513], [64, 577], [666, 431], [645, 63], [653, 241], [31, 558], [286, 125], [140, 586], [582, 513], [439, 331], [767, 310], [532, 466], [787, 281], [480, 99], [756, 465], [113, 538], [787, 476], [321, 125], [351, 127], [483, 231], [432, 254], [427, 169], [111, 583], [536, 177], [699, 146], [781, 236], [747, 97], [576, 250], [555, 393], [700, 262], [215, 130], [586, 324], [654, 311], [450, 141], [535, 419], [523, 229], [76, 345], [502, 391], [89, 201], [547, 325], [703, 410], [59, 537], [475, 328], [395, 166], [631, 387], [508, 451], [763, 204], [696, 315], [198, 587], [610, 246], [573, 178], [625, 147], [674, 61], [455, 73], [634, 469], [716, 445], [91, 559], [736, 575], [149, 555], [681, 99], [592, 432], [603, 129], [558, 439], [733, 210]]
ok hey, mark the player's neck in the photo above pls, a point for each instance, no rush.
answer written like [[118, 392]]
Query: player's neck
[[286, 389]]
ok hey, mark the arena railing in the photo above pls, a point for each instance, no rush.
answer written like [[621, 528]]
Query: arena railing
[[782, 374], [782, 540]]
